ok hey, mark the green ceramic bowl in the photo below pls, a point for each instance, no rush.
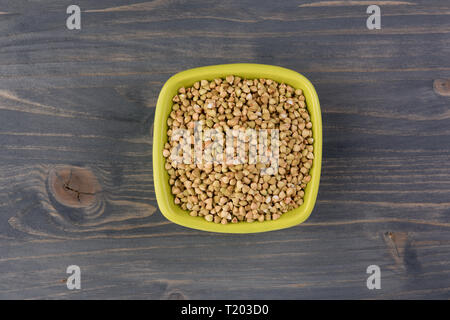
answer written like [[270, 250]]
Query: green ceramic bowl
[[251, 71]]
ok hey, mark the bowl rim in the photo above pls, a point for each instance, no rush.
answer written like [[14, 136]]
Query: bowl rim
[[252, 71]]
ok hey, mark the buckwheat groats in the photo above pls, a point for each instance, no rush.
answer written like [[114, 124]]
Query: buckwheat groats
[[239, 149]]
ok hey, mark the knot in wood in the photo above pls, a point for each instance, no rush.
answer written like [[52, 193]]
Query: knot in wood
[[442, 87], [74, 186]]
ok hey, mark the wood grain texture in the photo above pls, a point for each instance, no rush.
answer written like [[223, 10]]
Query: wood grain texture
[[347, 3], [76, 180]]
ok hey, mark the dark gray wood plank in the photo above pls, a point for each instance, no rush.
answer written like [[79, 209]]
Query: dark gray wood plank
[[83, 102]]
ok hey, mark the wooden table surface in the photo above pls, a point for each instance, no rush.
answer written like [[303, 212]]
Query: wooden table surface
[[78, 106]]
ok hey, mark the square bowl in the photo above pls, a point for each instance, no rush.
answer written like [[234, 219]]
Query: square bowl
[[187, 78]]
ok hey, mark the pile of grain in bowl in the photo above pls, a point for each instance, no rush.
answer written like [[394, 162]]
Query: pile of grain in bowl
[[222, 191]]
